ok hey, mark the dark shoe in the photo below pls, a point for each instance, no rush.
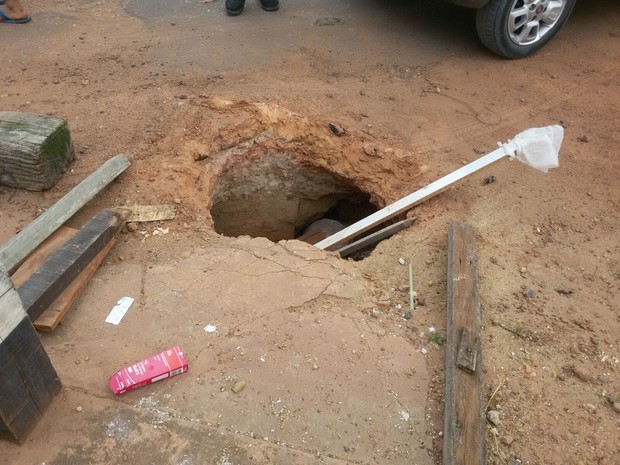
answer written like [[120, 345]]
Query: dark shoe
[[270, 5], [234, 7]]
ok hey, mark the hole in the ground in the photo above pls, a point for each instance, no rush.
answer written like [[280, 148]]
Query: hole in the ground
[[276, 197]]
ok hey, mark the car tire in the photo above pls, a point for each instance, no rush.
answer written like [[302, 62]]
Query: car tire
[[518, 28]]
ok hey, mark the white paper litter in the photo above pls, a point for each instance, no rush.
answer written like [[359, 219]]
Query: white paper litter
[[210, 329], [119, 310]]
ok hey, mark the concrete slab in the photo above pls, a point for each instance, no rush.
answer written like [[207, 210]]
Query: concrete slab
[[321, 383]]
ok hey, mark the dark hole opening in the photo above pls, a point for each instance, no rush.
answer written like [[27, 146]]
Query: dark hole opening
[[278, 198]]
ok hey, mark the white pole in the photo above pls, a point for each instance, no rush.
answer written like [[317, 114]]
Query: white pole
[[411, 200]]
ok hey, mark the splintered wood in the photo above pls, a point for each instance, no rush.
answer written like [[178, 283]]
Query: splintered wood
[[464, 434]]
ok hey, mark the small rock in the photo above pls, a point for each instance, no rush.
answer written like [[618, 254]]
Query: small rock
[[494, 432], [493, 417], [616, 407], [529, 371], [515, 462], [529, 293], [584, 139], [177, 200], [79, 408], [507, 439], [370, 150], [583, 374], [603, 378], [489, 180], [315, 367], [132, 227], [401, 261], [239, 386], [336, 129], [523, 270], [591, 408], [375, 313]]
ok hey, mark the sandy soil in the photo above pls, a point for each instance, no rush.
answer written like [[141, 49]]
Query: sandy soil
[[173, 84]]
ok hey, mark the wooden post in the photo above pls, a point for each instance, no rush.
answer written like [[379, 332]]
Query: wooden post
[[28, 381], [464, 417], [34, 150], [15, 250]]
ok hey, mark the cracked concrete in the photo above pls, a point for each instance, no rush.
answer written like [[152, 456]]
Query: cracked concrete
[[323, 383]]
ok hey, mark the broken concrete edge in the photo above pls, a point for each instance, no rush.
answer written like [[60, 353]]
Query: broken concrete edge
[[15, 250]]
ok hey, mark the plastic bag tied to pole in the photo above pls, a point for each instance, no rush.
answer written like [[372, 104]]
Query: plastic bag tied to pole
[[537, 147]]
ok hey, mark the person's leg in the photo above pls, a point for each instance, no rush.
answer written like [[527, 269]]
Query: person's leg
[[270, 5], [234, 7], [12, 11]]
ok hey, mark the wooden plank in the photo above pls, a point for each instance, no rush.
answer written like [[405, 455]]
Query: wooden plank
[[14, 251], [51, 279], [464, 419], [144, 213], [11, 313], [40, 255], [409, 201], [28, 381], [34, 150], [375, 237], [5, 281], [54, 314]]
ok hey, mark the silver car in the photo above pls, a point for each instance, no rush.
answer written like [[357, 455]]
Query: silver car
[[518, 28]]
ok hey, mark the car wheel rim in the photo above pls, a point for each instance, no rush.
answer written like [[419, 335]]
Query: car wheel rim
[[530, 20]]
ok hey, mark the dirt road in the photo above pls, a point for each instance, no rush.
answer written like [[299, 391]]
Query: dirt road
[[334, 372]]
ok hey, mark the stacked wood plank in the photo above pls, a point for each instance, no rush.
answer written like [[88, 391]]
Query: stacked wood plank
[[61, 268], [34, 150]]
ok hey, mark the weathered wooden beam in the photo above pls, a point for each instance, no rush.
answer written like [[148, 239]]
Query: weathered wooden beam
[[15, 250], [464, 418], [375, 237], [34, 150], [28, 381], [56, 311], [53, 277]]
